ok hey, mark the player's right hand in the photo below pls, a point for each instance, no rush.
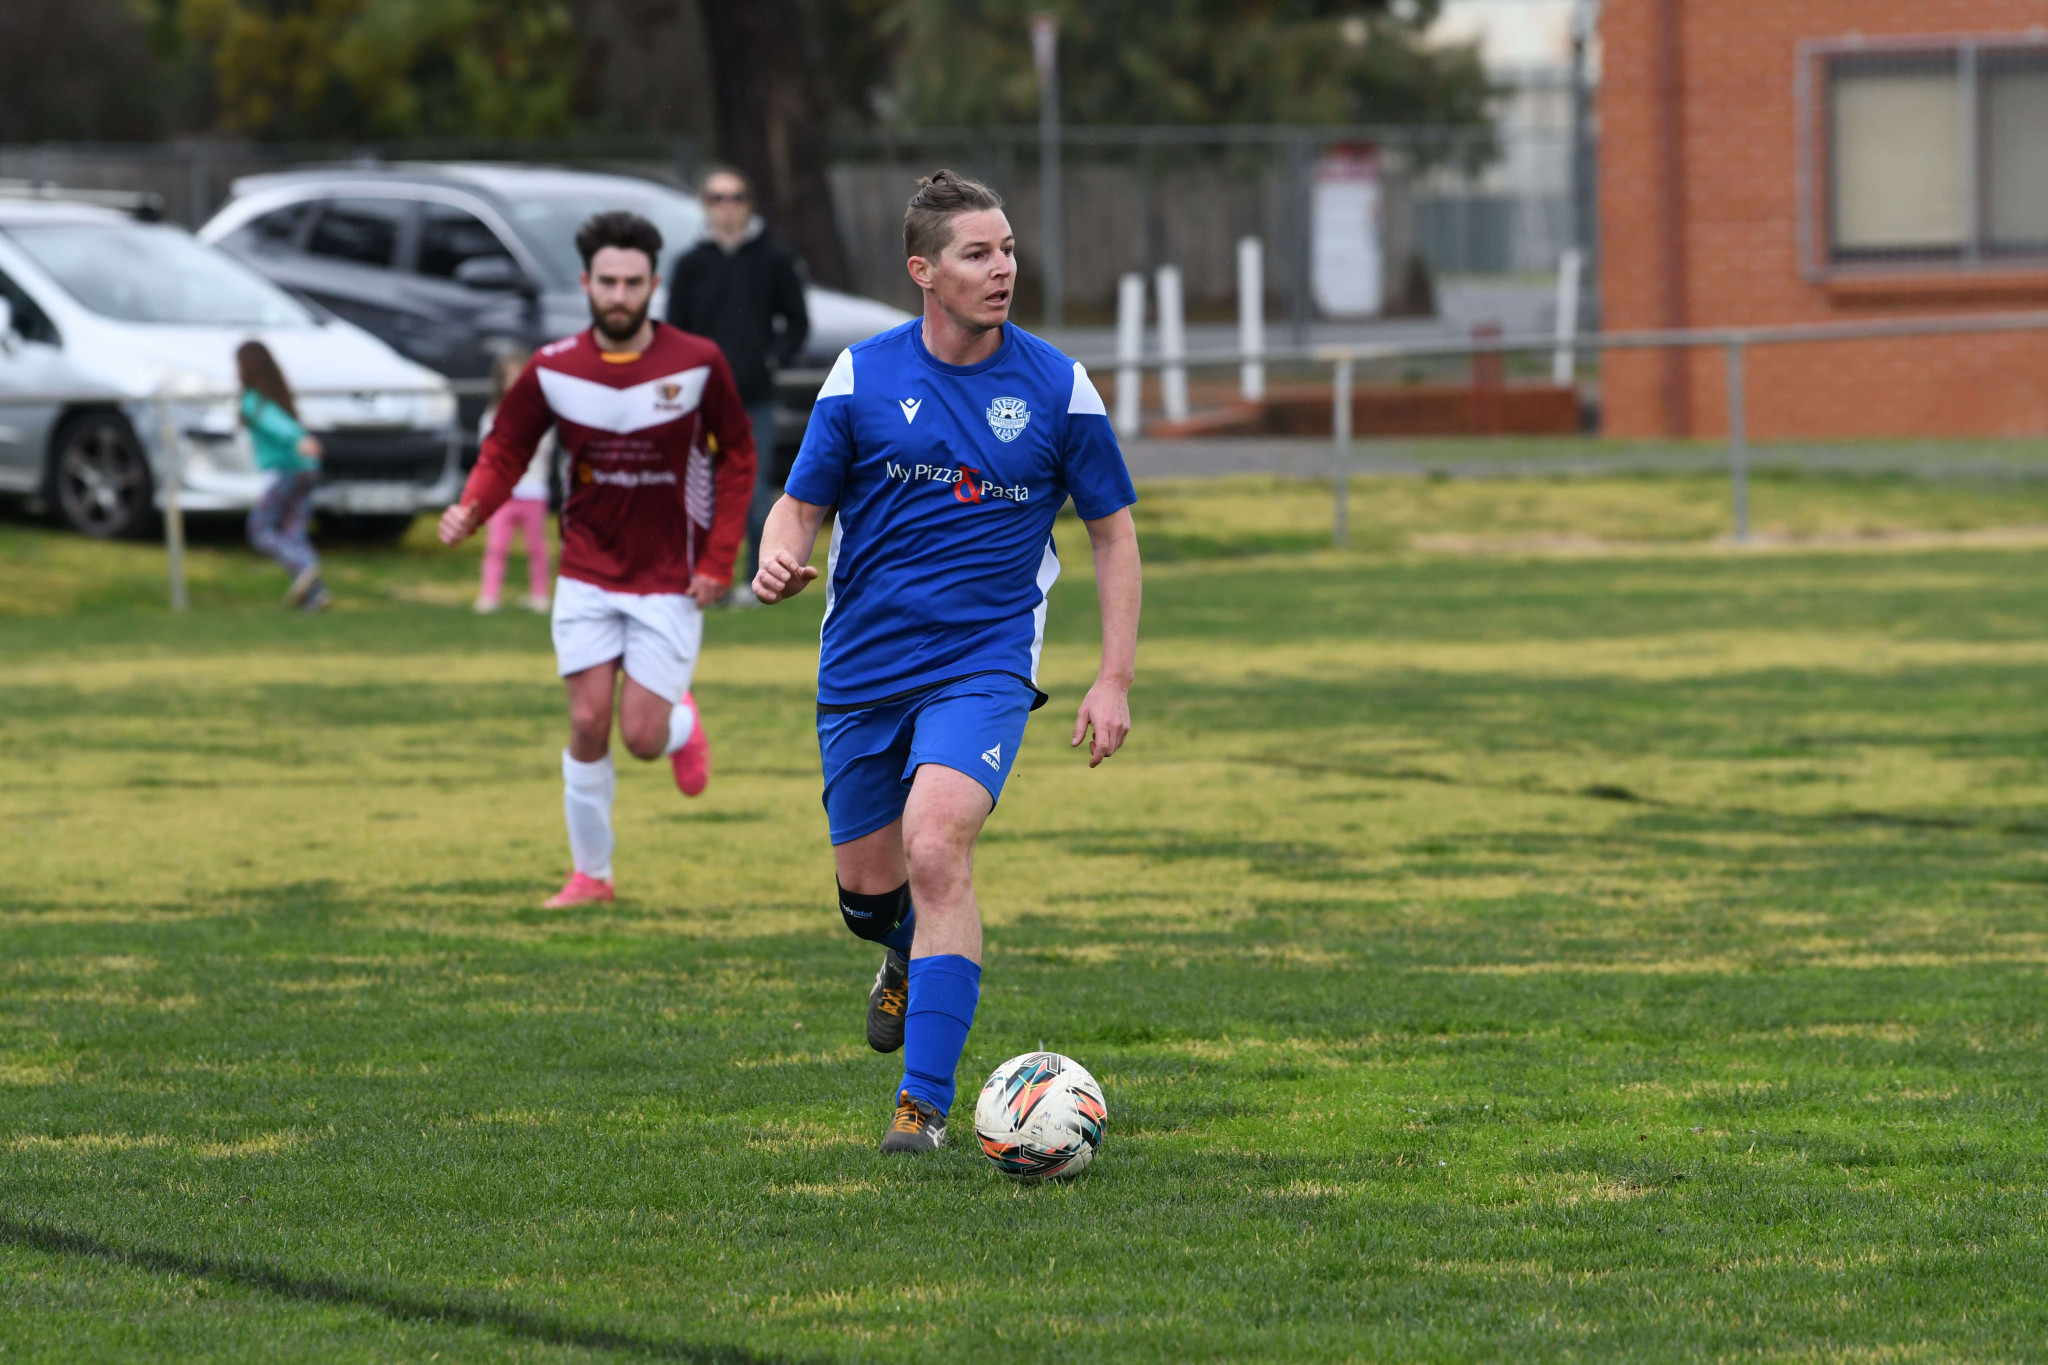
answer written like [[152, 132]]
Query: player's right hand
[[458, 523], [781, 577]]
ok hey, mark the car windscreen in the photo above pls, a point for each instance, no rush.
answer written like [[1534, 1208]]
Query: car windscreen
[[549, 223], [145, 272]]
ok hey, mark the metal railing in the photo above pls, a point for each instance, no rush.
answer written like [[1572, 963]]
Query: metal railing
[[1733, 342]]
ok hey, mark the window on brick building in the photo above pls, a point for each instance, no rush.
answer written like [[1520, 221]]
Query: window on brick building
[[1934, 153], [1897, 185], [2016, 153]]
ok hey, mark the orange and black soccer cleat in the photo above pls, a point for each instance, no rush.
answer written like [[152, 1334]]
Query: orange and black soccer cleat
[[917, 1126]]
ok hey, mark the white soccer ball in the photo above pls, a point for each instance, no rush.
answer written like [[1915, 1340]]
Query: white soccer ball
[[1040, 1115]]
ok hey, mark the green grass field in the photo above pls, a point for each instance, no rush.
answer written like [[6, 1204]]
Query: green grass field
[[1537, 933]]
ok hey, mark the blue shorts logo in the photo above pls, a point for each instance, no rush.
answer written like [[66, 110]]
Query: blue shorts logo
[[1007, 418]]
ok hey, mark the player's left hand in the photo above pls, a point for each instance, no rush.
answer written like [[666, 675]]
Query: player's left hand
[[707, 591], [459, 523], [1107, 710]]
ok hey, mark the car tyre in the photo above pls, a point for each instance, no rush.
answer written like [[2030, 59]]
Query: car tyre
[[100, 483]]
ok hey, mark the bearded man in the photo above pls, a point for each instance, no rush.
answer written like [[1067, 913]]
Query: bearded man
[[661, 469]]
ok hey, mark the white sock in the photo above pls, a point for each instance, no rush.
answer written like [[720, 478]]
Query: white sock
[[682, 723], [587, 792]]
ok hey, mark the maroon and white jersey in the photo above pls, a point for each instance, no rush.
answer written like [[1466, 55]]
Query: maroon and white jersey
[[661, 458]]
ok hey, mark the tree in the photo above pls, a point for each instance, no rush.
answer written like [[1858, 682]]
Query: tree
[[640, 68], [926, 63], [386, 68], [771, 122], [76, 69]]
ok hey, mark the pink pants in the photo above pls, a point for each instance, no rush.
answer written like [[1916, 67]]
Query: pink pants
[[528, 515]]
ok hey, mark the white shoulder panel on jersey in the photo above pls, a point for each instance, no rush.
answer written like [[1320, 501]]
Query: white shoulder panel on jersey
[[601, 407], [1086, 400], [839, 383]]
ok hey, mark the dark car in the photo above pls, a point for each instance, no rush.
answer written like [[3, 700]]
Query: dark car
[[451, 264]]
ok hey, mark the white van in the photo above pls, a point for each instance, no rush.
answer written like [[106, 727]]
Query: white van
[[117, 373]]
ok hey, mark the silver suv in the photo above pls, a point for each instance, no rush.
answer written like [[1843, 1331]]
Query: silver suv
[[452, 263]]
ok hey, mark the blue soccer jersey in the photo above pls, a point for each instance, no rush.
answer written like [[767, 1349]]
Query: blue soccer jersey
[[947, 479]]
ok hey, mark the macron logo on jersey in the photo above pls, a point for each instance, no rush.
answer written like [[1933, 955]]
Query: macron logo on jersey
[[910, 407]]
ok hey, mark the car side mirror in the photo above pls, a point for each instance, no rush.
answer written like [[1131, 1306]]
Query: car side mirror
[[492, 272], [7, 337]]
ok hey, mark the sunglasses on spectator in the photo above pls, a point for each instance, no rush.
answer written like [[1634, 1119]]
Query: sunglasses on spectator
[[716, 198]]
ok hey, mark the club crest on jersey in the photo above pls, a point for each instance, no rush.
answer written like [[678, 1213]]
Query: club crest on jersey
[[1007, 418], [669, 392]]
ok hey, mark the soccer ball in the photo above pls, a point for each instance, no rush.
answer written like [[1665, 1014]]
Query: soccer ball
[[1040, 1115]]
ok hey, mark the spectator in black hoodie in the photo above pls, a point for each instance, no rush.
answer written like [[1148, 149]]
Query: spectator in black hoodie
[[743, 288]]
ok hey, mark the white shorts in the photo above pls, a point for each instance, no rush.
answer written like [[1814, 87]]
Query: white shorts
[[657, 634]]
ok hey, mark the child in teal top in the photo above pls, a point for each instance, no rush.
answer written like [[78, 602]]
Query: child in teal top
[[276, 434], [277, 524]]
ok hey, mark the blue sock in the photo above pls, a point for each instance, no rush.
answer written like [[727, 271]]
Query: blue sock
[[899, 938], [944, 989]]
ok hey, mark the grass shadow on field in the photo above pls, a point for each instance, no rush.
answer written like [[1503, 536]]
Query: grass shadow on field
[[1986, 820], [498, 1317]]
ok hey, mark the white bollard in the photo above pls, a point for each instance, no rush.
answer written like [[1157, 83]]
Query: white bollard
[[1563, 363], [1251, 317], [1173, 345], [1130, 349]]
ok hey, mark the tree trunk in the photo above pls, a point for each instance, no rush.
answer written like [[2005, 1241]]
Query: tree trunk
[[771, 123]]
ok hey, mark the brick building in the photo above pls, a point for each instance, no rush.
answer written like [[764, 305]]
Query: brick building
[[1798, 161]]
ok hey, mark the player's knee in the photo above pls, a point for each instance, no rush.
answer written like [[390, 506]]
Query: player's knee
[[936, 854], [645, 745], [590, 724], [874, 918]]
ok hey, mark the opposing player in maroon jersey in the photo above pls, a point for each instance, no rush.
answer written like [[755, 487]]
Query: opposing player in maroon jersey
[[661, 467]]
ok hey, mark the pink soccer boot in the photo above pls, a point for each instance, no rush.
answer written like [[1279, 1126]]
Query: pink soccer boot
[[692, 762], [581, 890]]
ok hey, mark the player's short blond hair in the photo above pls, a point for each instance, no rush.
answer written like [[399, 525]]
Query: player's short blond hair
[[941, 197]]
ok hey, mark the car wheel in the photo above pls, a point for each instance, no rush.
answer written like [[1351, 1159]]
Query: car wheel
[[365, 528], [100, 481]]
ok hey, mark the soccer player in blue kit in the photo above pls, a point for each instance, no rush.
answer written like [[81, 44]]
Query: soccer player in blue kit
[[947, 446]]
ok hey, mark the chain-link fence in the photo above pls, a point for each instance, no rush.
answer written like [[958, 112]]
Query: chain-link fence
[[189, 180], [1463, 200], [1137, 198]]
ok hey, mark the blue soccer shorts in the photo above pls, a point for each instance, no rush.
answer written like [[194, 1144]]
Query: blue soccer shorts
[[972, 725]]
